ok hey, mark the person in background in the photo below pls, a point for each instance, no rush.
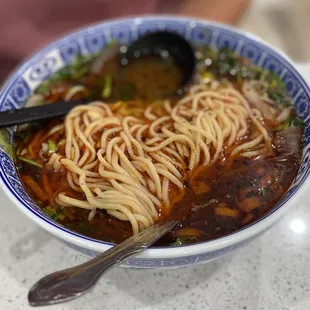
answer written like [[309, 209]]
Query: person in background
[[26, 25]]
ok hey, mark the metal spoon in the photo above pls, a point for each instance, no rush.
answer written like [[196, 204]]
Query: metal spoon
[[73, 282], [162, 43]]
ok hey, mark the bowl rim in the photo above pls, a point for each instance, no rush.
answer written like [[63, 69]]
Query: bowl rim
[[160, 252]]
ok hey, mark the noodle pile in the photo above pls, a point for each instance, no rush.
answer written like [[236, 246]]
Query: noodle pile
[[127, 165]]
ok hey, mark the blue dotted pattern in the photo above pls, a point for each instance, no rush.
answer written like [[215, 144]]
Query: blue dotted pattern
[[69, 50], [95, 42], [43, 69]]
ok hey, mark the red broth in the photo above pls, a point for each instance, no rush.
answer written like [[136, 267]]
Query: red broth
[[218, 200]]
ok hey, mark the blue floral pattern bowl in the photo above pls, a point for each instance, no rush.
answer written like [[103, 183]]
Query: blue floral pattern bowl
[[91, 40]]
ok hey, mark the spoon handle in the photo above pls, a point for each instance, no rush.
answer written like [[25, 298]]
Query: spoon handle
[[70, 283], [39, 113]]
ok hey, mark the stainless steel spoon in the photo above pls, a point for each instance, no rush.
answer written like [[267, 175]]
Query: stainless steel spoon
[[73, 282]]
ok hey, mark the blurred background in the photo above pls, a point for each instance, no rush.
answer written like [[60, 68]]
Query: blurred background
[[28, 25], [283, 23]]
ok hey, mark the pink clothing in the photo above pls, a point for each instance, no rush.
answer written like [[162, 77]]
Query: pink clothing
[[26, 25]]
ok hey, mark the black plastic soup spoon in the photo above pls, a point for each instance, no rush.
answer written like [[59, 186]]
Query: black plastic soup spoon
[[163, 44]]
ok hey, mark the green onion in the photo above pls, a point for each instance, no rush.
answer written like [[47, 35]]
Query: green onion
[[178, 242], [30, 161], [77, 69], [279, 96], [275, 80], [264, 75], [43, 89], [82, 225], [297, 122], [19, 150], [51, 147], [126, 92], [292, 121], [112, 42], [62, 75], [81, 65], [55, 214], [70, 225], [264, 191], [107, 90], [239, 78], [207, 75]]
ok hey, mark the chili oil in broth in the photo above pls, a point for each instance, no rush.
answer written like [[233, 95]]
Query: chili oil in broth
[[217, 200]]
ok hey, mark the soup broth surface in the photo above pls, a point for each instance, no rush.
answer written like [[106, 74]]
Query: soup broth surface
[[218, 199]]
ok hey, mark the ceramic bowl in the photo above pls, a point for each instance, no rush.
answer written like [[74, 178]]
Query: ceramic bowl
[[91, 40]]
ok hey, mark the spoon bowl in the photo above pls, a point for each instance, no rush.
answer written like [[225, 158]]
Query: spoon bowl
[[166, 45]]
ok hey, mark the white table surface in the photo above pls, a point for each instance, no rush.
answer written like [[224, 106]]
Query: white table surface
[[272, 273]]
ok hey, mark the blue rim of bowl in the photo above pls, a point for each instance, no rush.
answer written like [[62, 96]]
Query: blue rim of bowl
[[149, 18]]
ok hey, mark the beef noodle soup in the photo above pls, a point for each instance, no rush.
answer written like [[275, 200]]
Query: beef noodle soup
[[217, 158]]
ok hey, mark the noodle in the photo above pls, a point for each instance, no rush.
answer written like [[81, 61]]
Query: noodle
[[127, 165]]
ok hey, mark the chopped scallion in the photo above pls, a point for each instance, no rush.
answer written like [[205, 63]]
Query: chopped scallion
[[127, 92], [30, 161], [55, 214], [178, 242], [70, 225], [292, 122], [107, 90], [51, 147]]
